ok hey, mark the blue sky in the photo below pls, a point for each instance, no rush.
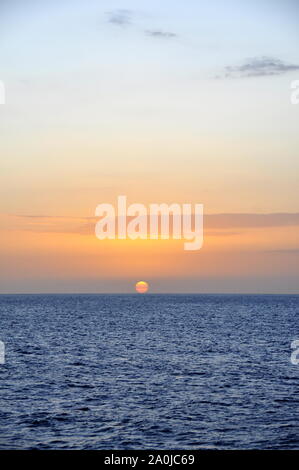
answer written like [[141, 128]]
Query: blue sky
[[153, 77]]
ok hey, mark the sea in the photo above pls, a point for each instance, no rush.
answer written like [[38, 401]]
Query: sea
[[149, 372]]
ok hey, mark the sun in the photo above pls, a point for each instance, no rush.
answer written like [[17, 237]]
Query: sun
[[141, 287]]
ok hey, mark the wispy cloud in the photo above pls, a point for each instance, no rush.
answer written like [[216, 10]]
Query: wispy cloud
[[212, 222], [258, 67], [156, 33], [120, 17], [123, 17], [294, 251], [252, 220]]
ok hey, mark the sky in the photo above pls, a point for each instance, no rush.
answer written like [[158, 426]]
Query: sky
[[185, 102]]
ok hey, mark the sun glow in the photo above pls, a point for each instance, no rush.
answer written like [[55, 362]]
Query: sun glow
[[141, 287]]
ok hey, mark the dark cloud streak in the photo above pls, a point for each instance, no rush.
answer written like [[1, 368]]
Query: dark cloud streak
[[258, 67], [123, 17], [160, 34], [212, 222], [120, 17]]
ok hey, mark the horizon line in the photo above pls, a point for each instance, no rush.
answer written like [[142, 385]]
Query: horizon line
[[147, 293]]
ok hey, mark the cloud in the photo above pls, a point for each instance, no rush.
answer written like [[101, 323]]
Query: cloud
[[258, 67], [294, 251], [120, 17], [160, 34], [212, 223], [123, 17], [229, 221]]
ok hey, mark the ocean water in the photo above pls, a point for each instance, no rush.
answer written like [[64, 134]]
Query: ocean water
[[149, 372]]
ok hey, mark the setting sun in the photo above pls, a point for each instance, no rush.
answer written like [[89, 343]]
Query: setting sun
[[141, 287]]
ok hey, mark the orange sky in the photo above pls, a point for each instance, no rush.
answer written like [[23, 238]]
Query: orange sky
[[200, 113], [54, 254]]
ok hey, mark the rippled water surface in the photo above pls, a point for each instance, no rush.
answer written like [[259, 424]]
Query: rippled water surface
[[146, 372]]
